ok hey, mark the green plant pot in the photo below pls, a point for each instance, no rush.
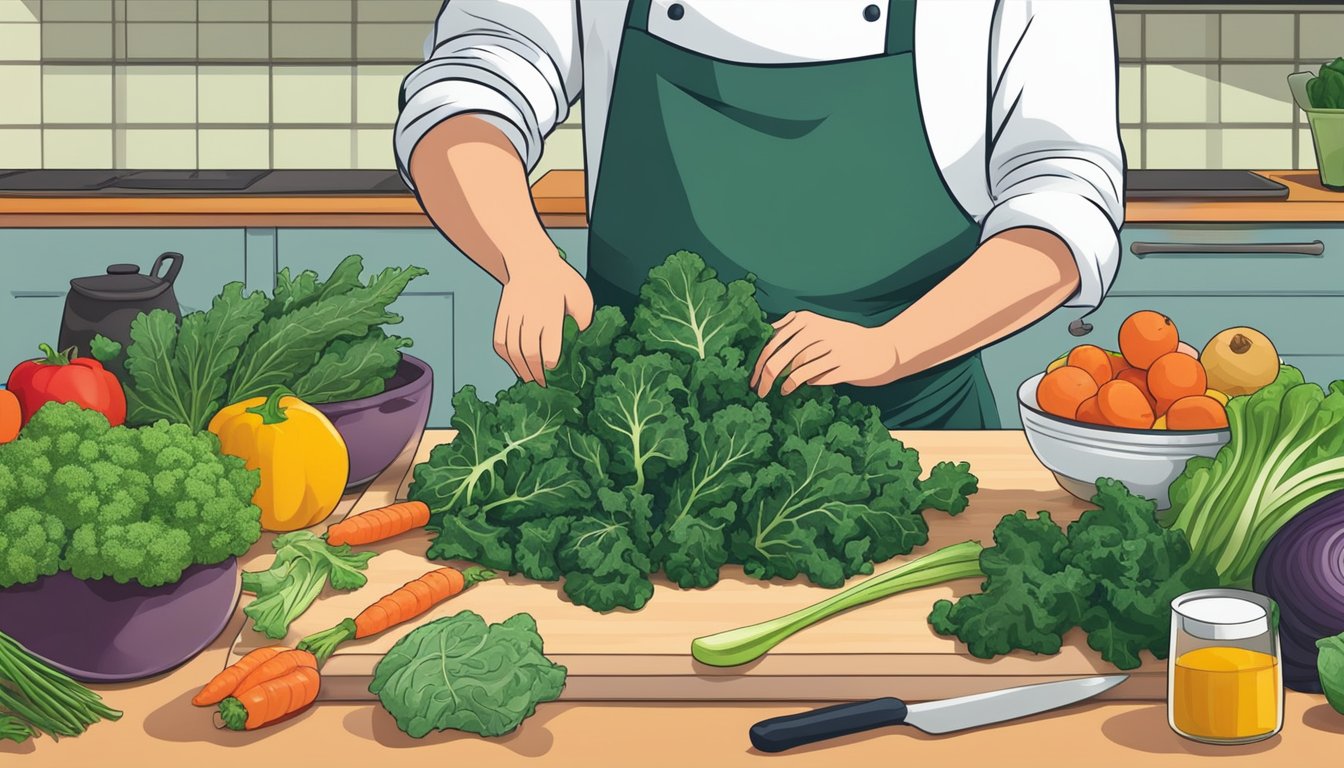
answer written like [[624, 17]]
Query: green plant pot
[[1327, 134]]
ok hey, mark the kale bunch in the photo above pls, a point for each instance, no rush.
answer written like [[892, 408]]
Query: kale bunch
[[647, 451], [1114, 573]]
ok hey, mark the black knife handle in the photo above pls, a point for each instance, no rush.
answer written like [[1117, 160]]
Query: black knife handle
[[780, 733]]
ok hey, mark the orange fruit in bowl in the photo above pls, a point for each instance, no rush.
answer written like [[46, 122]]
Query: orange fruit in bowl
[[1094, 360], [1062, 390], [1139, 378], [1090, 412], [1145, 336], [1196, 412], [1123, 405], [1174, 376]]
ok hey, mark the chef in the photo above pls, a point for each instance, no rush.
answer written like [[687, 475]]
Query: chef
[[908, 181]]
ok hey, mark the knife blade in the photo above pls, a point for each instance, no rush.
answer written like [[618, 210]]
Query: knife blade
[[936, 717]]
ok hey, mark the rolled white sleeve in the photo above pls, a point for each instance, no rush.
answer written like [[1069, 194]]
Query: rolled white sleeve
[[1055, 158], [514, 63]]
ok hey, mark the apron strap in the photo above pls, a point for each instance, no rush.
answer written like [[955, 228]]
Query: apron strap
[[900, 21]]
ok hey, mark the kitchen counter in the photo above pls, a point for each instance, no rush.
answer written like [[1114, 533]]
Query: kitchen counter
[[160, 726], [336, 199]]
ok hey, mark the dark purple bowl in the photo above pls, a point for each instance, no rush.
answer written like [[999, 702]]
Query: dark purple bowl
[[377, 428], [102, 631]]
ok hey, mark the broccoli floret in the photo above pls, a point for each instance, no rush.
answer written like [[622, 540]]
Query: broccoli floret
[[30, 545], [120, 503]]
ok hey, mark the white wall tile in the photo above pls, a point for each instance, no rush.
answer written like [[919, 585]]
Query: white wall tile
[[21, 85], [1250, 148], [20, 10], [234, 148], [1181, 35], [1182, 93], [310, 10], [312, 147], [1256, 93], [234, 94], [1180, 148], [377, 89], [1258, 36], [175, 40], [156, 94], [156, 148], [1131, 93], [77, 148], [311, 41], [20, 148], [20, 42], [1129, 35], [311, 94], [76, 94], [234, 10], [159, 10], [564, 149], [77, 10], [1322, 36], [76, 40], [1132, 141], [373, 149], [234, 41], [1306, 149], [397, 42]]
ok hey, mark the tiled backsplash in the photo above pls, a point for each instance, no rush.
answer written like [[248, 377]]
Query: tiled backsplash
[[313, 83]]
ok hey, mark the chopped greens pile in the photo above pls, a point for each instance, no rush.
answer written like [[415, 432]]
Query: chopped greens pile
[[1114, 573], [647, 451], [323, 340]]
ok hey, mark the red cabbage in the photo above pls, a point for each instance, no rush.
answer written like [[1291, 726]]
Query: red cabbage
[[1302, 569]]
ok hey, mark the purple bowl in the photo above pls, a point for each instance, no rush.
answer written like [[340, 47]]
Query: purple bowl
[[102, 631], [377, 428]]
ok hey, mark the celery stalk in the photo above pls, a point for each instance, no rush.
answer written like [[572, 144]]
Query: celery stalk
[[739, 646]]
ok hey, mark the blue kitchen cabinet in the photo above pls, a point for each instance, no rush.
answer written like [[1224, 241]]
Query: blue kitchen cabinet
[[1287, 281], [449, 313], [38, 265]]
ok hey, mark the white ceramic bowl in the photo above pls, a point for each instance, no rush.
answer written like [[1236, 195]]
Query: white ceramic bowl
[[1145, 460]]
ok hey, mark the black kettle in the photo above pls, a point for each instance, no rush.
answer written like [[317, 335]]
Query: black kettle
[[107, 304]]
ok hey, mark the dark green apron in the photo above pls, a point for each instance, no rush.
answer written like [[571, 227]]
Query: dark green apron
[[817, 178]]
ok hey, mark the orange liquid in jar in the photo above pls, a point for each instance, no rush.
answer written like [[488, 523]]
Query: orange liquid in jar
[[1225, 694]]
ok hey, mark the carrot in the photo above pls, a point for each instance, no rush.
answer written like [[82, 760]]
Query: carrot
[[379, 524], [271, 700], [275, 668], [402, 604], [225, 684]]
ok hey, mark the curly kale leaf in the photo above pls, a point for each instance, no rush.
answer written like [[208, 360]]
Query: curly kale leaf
[[635, 412], [686, 311]]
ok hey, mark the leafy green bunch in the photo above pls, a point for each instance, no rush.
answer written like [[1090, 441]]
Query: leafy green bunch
[[1326, 90], [647, 452], [1114, 573], [127, 504], [323, 340]]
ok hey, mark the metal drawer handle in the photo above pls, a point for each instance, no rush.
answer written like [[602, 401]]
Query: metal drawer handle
[[36, 294], [1314, 248]]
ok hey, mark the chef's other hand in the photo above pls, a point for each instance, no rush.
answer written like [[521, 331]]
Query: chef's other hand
[[531, 318], [814, 349]]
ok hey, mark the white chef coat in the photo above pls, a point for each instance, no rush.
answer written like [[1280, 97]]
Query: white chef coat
[[1018, 96]]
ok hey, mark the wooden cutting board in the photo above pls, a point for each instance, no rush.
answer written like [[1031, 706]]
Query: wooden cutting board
[[880, 649]]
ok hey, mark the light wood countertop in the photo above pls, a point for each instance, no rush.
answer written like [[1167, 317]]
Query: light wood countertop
[[160, 727], [560, 202]]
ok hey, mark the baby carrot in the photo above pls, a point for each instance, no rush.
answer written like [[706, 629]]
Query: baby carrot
[[225, 684], [270, 700], [279, 666], [379, 524], [402, 604]]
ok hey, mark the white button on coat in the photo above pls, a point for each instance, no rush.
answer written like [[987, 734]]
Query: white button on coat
[[1018, 96]]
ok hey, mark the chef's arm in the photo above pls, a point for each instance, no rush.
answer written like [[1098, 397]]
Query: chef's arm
[[472, 185], [1012, 280]]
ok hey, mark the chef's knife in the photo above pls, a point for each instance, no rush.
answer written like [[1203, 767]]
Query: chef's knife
[[780, 733]]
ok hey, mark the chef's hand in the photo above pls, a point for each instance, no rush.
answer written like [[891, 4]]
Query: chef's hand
[[819, 350], [531, 318]]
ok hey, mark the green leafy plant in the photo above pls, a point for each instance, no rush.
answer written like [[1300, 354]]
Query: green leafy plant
[[112, 502], [647, 451], [323, 340], [1114, 573], [1286, 451], [1326, 90], [304, 564], [460, 673], [1330, 667]]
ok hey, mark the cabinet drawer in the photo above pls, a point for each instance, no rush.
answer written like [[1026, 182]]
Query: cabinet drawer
[[449, 313], [1302, 329], [1232, 259], [39, 264]]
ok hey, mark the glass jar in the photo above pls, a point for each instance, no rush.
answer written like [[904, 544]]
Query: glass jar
[[1224, 673]]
